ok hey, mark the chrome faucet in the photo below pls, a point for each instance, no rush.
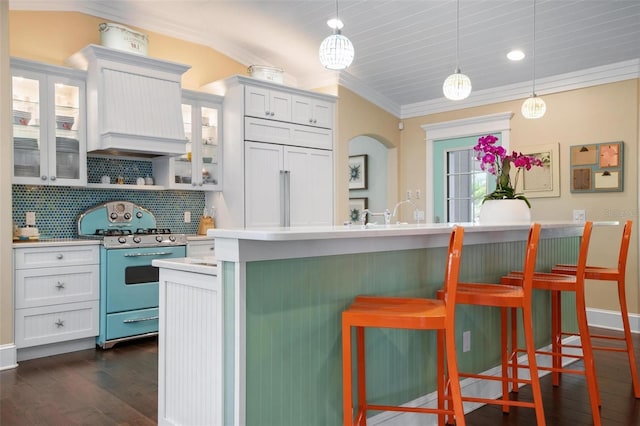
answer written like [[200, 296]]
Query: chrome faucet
[[409, 201], [365, 212]]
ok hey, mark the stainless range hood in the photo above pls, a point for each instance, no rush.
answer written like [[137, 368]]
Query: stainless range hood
[[133, 103]]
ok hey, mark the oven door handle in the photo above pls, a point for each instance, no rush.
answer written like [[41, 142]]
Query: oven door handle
[[155, 253], [127, 321]]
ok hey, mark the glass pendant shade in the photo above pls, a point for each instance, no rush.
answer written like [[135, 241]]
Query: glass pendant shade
[[457, 86], [336, 52], [533, 107]]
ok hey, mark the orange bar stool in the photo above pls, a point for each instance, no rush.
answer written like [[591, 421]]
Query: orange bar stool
[[510, 297], [406, 313], [556, 284], [613, 275]]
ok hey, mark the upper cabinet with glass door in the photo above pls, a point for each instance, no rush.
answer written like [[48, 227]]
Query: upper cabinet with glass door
[[201, 167], [49, 142]]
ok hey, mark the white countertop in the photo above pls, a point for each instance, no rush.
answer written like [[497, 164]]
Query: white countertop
[[202, 265], [374, 230], [55, 242]]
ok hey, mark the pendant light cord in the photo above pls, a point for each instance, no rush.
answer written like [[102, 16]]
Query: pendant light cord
[[458, 36], [533, 56]]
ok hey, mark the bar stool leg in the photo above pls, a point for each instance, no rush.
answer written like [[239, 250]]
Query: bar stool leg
[[504, 347], [622, 297], [347, 374], [527, 322], [362, 381], [589, 365], [556, 335], [515, 385]]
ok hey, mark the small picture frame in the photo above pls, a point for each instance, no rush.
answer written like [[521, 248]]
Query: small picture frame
[[542, 181], [358, 171], [356, 206], [597, 167]]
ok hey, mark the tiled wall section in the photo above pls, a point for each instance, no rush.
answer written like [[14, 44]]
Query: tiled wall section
[[130, 170], [57, 207]]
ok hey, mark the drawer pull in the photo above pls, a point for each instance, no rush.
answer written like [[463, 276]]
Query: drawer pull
[[60, 285], [156, 253], [128, 321], [59, 256], [59, 323]]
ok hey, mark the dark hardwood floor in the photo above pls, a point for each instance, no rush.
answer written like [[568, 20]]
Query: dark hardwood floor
[[119, 387]]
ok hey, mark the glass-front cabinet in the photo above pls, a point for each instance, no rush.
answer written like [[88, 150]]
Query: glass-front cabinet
[[49, 136], [200, 168]]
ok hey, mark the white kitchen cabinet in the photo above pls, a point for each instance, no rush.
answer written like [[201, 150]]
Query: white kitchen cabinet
[[201, 167], [278, 168], [57, 291], [49, 131], [312, 112], [190, 381], [287, 185], [267, 103]]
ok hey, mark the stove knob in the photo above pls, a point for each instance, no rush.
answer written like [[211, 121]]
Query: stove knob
[[159, 238], [139, 215], [127, 216], [122, 240], [137, 239], [172, 238], [113, 215]]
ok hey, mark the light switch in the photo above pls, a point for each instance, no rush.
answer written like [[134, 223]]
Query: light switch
[[579, 216], [30, 219]]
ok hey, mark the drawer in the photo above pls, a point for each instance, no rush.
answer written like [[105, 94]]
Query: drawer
[[206, 249], [260, 130], [46, 257], [56, 323], [131, 323], [49, 286]]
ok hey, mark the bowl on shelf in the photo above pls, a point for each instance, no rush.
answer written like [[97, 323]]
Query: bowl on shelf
[[64, 122], [21, 117]]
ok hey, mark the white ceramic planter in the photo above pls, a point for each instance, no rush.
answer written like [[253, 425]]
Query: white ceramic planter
[[504, 212]]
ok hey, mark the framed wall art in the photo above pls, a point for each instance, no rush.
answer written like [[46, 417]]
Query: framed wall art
[[542, 181], [356, 206], [597, 167], [358, 172]]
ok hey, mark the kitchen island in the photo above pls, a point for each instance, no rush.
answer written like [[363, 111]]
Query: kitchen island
[[282, 292]]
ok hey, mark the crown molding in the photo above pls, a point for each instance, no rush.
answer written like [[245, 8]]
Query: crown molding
[[605, 74]]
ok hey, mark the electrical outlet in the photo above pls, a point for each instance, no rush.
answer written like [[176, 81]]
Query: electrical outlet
[[408, 194], [417, 194], [418, 215], [187, 217], [466, 341], [579, 216], [30, 219]]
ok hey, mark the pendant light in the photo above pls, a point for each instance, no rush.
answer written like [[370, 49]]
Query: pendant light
[[534, 107], [336, 51], [457, 86]]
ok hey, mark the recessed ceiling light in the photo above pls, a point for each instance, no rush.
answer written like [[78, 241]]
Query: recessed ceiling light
[[335, 24], [515, 55]]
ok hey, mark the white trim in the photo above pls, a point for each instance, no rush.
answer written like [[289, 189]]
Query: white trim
[[58, 348], [492, 123], [8, 356], [611, 320]]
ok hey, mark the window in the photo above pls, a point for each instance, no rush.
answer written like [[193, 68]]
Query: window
[[466, 185]]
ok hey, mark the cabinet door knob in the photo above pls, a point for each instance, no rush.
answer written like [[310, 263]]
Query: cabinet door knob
[[60, 285], [272, 113], [59, 323], [43, 177], [267, 113], [53, 178], [59, 256]]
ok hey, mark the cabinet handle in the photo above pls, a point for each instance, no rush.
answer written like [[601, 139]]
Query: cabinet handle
[[128, 321], [53, 178], [60, 285], [59, 256], [59, 323], [43, 177]]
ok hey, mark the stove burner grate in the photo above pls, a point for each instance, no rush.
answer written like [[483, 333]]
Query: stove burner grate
[[112, 232], [152, 231]]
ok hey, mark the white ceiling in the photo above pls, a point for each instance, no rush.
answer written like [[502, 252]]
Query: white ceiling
[[404, 48]]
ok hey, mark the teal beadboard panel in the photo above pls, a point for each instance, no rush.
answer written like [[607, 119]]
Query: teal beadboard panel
[[228, 294], [293, 364]]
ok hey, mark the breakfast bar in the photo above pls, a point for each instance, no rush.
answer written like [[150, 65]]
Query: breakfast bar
[[282, 291]]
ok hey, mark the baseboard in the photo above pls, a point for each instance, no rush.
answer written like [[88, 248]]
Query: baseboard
[[470, 387], [8, 356], [611, 319], [56, 348]]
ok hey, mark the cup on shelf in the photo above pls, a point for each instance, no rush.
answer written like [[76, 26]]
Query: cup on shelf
[[140, 181], [105, 179]]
